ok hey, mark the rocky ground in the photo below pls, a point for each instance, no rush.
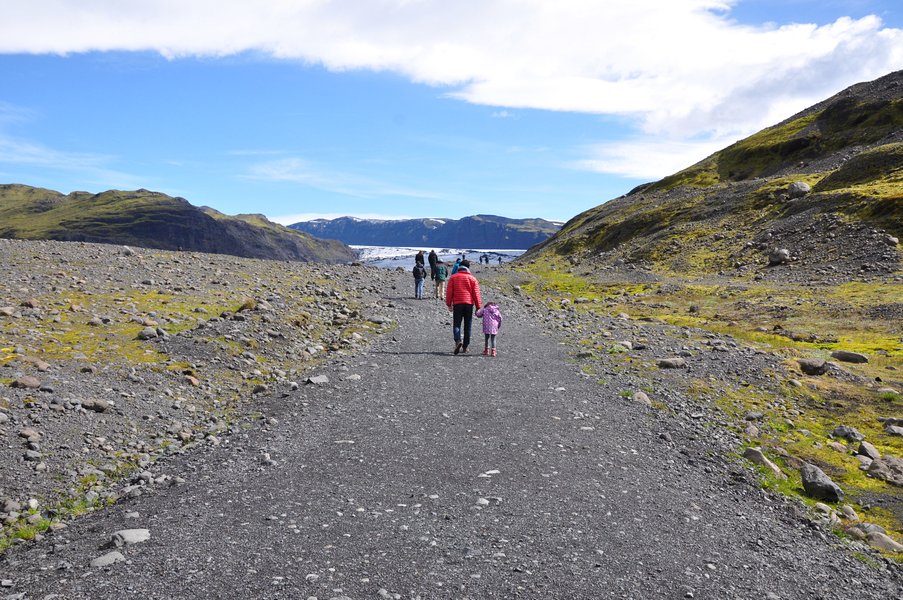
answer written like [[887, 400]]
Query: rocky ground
[[265, 442], [111, 358]]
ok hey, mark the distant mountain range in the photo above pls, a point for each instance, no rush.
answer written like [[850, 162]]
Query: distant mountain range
[[479, 231], [154, 220]]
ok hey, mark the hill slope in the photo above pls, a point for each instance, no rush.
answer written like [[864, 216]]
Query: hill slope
[[480, 231], [727, 212], [154, 220], [783, 245]]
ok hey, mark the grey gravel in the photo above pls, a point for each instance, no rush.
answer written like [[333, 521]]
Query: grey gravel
[[583, 493]]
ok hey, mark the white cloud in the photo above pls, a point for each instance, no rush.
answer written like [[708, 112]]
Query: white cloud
[[681, 69], [647, 159], [94, 168], [304, 172]]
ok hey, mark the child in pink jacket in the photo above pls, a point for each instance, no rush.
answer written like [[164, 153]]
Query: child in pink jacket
[[492, 322]]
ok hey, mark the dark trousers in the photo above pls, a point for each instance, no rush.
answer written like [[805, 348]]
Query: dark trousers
[[462, 312]]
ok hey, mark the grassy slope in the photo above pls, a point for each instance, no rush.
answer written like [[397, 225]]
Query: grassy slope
[[690, 229], [152, 219]]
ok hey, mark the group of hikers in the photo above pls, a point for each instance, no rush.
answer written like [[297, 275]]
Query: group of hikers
[[461, 292]]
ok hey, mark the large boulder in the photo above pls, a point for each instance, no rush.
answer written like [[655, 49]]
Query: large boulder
[[846, 432], [850, 357], [818, 485], [813, 366], [888, 468], [798, 189], [778, 256]]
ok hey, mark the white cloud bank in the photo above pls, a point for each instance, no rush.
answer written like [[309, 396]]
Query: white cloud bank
[[681, 69]]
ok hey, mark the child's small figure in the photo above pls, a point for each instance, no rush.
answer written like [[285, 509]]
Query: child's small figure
[[492, 322]]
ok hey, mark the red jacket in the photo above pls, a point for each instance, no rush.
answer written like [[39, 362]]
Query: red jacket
[[463, 288]]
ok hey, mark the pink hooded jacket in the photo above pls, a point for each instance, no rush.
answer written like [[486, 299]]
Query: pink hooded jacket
[[492, 318]]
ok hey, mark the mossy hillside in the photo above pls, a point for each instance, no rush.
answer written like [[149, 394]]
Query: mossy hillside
[[845, 123], [847, 148], [151, 219]]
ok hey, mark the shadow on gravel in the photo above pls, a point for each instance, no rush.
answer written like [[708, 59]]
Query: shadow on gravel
[[427, 353]]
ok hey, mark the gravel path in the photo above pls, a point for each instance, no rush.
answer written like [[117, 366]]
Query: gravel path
[[414, 473]]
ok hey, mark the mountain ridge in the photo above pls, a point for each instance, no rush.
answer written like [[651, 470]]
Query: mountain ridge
[[477, 231], [155, 220]]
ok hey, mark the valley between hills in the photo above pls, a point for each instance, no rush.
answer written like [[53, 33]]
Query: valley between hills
[[697, 394]]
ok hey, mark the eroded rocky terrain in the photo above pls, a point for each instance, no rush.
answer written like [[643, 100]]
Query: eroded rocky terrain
[[111, 357]]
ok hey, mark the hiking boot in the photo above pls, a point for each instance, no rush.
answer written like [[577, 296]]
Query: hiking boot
[[485, 351], [458, 347], [464, 350], [492, 352]]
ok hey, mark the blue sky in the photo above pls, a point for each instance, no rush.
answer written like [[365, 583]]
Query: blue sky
[[411, 108]]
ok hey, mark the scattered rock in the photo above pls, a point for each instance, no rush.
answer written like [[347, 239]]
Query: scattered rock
[[882, 541], [318, 380], [850, 357], [95, 405], [778, 256], [888, 468], [813, 366], [845, 432], [26, 382], [849, 513], [110, 558], [755, 455], [148, 333], [671, 363], [896, 430], [641, 398], [124, 537], [818, 485], [866, 449], [798, 189]]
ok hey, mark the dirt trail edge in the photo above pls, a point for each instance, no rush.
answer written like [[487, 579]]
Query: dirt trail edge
[[413, 473]]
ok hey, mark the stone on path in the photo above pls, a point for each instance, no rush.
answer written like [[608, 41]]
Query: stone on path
[[124, 537], [110, 558], [818, 485], [318, 380]]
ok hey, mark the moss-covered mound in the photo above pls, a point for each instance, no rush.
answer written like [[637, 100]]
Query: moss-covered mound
[[728, 211]]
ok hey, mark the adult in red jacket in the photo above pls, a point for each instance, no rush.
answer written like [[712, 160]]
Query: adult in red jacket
[[461, 297]]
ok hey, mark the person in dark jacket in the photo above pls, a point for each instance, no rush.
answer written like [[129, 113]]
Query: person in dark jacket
[[462, 295], [419, 275], [433, 259]]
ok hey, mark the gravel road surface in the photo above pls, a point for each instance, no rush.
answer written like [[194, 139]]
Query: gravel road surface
[[414, 473]]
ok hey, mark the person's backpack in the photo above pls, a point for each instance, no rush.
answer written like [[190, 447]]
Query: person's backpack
[[418, 271], [441, 273]]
